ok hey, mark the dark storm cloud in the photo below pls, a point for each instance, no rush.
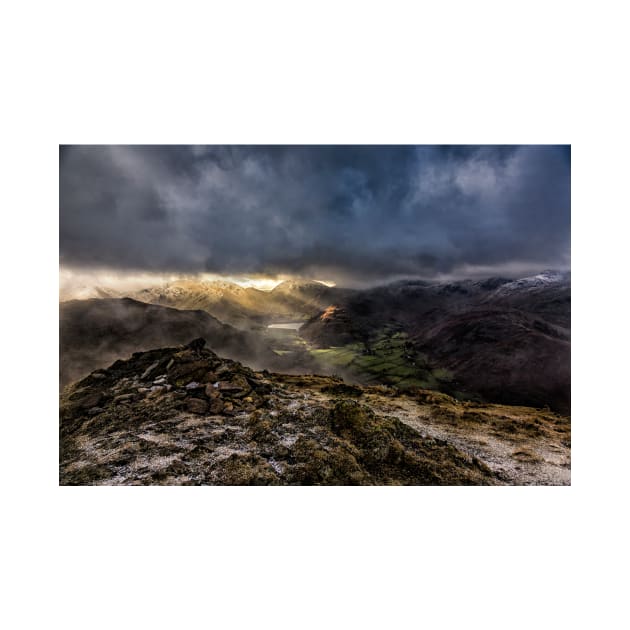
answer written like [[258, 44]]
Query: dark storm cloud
[[348, 212]]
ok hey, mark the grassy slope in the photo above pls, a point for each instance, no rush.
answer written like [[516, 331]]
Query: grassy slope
[[388, 359]]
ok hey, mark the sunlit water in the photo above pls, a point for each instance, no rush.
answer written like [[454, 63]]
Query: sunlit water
[[287, 326]]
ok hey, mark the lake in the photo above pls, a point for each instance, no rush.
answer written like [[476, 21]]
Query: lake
[[287, 326]]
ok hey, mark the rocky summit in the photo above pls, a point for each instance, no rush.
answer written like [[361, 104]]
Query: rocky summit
[[185, 416]]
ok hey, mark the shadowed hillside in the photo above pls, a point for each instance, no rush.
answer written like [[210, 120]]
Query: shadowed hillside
[[96, 332], [507, 341]]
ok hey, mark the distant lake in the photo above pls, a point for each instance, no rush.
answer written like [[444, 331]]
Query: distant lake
[[288, 326]]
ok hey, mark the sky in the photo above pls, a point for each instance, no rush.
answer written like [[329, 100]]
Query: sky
[[344, 214]]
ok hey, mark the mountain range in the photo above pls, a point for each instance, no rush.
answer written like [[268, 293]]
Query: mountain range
[[507, 341], [240, 306], [498, 340]]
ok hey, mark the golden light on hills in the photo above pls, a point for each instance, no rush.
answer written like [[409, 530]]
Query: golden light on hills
[[86, 283]]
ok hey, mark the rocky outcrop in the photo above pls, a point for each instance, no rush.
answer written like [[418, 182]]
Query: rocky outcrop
[[184, 415]]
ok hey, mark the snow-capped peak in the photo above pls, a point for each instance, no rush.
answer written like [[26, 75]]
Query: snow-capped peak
[[540, 280]]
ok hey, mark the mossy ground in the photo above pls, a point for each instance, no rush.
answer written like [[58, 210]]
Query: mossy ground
[[269, 429]]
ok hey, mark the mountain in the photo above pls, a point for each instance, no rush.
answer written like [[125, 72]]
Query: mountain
[[96, 332], [497, 339], [547, 295], [244, 307], [506, 341], [540, 281], [86, 292], [185, 416]]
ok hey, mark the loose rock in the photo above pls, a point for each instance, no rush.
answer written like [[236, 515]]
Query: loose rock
[[148, 371], [196, 405]]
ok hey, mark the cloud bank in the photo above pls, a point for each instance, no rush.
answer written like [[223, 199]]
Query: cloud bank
[[340, 212]]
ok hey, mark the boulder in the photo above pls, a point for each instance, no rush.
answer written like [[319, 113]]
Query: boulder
[[196, 405], [236, 384], [216, 406], [87, 399], [197, 344], [184, 372], [148, 371], [212, 391]]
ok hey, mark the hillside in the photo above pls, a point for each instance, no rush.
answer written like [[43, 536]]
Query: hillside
[[494, 340], [244, 307], [184, 415], [506, 341], [96, 332]]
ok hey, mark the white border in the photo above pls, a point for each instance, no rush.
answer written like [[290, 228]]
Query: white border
[[284, 72]]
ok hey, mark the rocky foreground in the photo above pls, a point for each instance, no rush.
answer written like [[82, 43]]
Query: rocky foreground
[[185, 416]]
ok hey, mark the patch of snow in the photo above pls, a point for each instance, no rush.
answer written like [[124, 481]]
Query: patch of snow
[[543, 279], [223, 452], [289, 440]]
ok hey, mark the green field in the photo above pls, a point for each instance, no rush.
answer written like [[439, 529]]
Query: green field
[[389, 359]]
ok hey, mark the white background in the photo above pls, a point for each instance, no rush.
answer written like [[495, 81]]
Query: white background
[[313, 72]]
